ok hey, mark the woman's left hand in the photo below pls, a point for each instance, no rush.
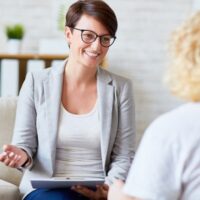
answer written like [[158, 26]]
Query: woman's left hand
[[100, 193]]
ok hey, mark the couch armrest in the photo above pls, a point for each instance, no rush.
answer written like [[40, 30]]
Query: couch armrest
[[8, 191], [7, 120], [10, 175]]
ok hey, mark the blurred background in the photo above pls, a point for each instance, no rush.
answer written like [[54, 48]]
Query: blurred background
[[140, 51]]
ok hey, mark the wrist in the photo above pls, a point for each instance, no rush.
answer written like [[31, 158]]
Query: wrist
[[27, 161]]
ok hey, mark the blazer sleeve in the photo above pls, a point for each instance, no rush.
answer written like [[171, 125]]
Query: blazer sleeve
[[124, 147], [25, 133]]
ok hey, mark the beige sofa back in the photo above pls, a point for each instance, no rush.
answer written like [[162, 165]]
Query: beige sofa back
[[7, 119]]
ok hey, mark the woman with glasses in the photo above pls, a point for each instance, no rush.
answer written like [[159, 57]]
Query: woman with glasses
[[75, 120]]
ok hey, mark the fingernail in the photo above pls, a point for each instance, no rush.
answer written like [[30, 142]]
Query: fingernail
[[11, 154], [19, 157]]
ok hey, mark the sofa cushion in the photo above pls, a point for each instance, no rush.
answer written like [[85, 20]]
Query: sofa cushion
[[8, 191], [7, 119]]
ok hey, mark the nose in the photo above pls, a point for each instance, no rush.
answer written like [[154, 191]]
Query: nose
[[96, 45]]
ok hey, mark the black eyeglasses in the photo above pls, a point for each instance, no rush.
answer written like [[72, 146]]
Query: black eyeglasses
[[89, 37]]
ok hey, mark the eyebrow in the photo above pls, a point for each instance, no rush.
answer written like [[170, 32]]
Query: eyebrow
[[91, 31]]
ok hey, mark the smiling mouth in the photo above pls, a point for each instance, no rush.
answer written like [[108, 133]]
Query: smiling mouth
[[92, 54]]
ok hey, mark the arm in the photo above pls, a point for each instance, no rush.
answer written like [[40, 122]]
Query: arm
[[123, 149], [25, 134], [24, 137], [115, 192]]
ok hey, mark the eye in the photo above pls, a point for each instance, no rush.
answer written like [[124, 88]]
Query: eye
[[88, 36], [106, 39]]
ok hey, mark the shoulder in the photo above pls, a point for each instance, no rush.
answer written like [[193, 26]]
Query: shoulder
[[44, 74], [176, 123], [114, 79]]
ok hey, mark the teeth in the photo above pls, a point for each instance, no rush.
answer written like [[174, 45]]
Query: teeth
[[92, 54]]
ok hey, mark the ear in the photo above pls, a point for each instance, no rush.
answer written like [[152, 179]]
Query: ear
[[68, 35]]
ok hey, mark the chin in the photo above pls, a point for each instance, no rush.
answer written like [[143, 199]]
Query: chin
[[91, 64]]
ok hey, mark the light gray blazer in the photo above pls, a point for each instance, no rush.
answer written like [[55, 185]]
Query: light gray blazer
[[38, 115]]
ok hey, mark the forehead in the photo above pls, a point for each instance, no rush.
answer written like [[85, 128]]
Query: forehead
[[90, 23]]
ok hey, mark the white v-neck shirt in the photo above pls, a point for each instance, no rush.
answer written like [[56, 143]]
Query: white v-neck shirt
[[78, 150]]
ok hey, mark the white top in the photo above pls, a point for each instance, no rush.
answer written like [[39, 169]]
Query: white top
[[78, 153], [167, 164]]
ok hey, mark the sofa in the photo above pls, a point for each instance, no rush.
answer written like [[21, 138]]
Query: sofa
[[9, 177]]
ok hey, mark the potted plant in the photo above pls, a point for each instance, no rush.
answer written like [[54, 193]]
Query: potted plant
[[15, 34]]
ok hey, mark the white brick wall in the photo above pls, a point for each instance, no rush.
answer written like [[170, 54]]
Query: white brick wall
[[140, 51]]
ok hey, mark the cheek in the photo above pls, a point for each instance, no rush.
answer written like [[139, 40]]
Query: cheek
[[79, 45], [104, 51]]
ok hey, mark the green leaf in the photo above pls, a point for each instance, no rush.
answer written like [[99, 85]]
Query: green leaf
[[15, 31]]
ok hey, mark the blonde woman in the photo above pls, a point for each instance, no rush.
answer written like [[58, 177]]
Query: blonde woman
[[167, 164]]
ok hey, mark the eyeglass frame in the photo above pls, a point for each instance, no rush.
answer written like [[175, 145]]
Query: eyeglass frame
[[100, 36]]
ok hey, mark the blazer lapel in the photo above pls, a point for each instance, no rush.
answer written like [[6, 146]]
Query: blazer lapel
[[105, 95], [53, 91]]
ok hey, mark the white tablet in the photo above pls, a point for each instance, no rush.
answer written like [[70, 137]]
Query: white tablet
[[63, 183]]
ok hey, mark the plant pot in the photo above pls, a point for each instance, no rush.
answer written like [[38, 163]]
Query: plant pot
[[14, 46]]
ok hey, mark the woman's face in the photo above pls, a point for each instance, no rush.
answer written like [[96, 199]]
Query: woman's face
[[89, 55]]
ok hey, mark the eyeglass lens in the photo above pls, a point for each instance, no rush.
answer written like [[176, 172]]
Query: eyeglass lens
[[89, 37]]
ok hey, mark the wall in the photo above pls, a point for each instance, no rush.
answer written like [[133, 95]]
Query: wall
[[140, 51]]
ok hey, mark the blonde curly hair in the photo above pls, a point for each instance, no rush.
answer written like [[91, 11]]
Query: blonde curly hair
[[183, 76]]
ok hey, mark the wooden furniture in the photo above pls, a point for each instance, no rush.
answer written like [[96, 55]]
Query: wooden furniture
[[24, 58]]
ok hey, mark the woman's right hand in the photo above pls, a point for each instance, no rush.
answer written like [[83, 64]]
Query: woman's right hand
[[13, 156]]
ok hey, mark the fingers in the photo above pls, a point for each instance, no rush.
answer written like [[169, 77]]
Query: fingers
[[103, 187], [118, 183], [15, 161], [100, 193], [12, 156], [10, 159], [102, 190], [84, 191], [8, 147], [3, 156]]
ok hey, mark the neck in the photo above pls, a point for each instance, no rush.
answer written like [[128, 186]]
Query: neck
[[78, 74]]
